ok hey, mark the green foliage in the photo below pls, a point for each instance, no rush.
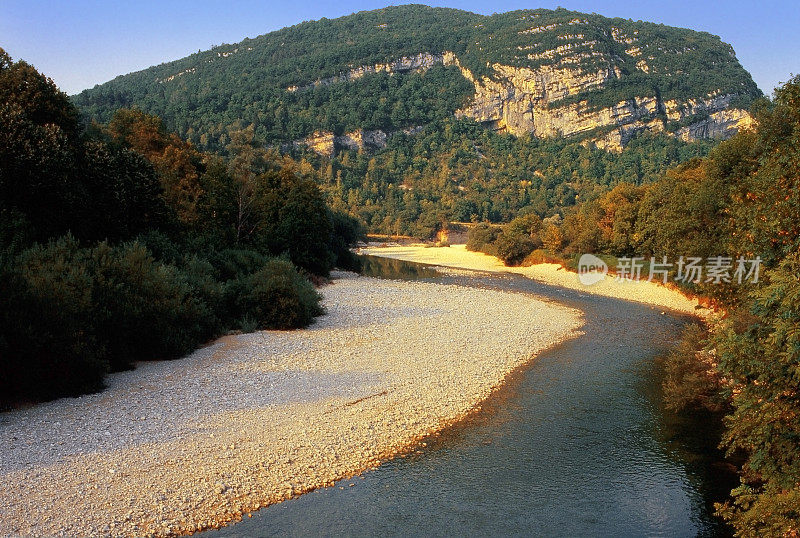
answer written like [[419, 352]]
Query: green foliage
[[347, 231], [208, 94], [683, 214], [58, 182], [456, 170], [146, 310], [72, 313], [75, 308], [47, 347], [277, 297], [761, 361], [481, 238], [519, 238], [299, 224], [691, 380], [512, 243]]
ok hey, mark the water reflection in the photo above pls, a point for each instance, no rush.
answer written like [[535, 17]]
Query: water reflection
[[377, 267]]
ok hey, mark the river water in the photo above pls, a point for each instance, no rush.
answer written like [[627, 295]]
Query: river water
[[575, 444]]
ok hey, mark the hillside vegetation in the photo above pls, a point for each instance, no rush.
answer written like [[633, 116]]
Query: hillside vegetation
[[248, 84]]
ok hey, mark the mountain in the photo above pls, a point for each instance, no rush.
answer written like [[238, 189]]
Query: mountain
[[354, 81]]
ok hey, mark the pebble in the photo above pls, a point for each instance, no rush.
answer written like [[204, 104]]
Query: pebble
[[390, 363]]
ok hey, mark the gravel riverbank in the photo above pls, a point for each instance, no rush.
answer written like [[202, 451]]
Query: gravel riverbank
[[174, 447], [458, 257]]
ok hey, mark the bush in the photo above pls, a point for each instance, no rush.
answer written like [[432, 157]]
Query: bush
[[512, 249], [690, 379], [541, 256], [145, 310], [552, 238], [481, 238], [47, 346], [233, 264], [161, 246], [277, 297]]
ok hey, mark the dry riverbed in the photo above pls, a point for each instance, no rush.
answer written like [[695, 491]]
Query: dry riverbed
[[174, 447], [458, 257]]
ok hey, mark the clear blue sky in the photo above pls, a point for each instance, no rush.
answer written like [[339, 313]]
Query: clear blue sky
[[80, 43]]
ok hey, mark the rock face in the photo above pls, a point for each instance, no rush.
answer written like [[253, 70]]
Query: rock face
[[326, 143], [521, 101], [406, 64], [721, 124], [524, 101]]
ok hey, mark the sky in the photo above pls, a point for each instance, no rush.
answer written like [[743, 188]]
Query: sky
[[81, 43]]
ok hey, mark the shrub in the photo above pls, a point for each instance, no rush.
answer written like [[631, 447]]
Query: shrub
[[552, 238], [512, 249], [145, 310], [47, 346], [481, 238], [161, 246], [277, 297], [541, 256], [203, 280], [236, 263]]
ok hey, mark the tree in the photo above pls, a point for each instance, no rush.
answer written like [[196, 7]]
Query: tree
[[761, 361]]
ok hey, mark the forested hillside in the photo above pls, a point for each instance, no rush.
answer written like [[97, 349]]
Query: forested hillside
[[406, 66], [455, 170]]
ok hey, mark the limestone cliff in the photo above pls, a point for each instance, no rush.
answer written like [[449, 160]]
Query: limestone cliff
[[326, 143], [521, 101], [524, 101]]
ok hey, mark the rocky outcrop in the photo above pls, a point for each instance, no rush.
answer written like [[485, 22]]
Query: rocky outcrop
[[722, 124], [541, 101], [326, 143], [406, 64], [520, 101]]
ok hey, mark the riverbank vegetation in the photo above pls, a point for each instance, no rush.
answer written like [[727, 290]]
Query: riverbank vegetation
[[741, 200], [121, 242]]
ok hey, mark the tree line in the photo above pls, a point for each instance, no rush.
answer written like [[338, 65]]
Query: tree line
[[120, 242]]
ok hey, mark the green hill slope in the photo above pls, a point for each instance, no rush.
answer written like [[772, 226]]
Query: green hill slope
[[549, 73]]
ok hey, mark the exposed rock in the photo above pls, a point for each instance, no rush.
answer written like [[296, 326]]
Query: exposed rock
[[321, 142], [521, 101], [722, 124], [406, 64], [326, 143]]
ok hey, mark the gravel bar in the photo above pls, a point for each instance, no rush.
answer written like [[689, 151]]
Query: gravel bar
[[458, 257], [251, 420]]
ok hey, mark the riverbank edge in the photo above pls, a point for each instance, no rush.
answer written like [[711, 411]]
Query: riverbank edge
[[478, 411], [242, 506], [651, 293]]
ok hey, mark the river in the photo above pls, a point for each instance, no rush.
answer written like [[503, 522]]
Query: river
[[577, 443]]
